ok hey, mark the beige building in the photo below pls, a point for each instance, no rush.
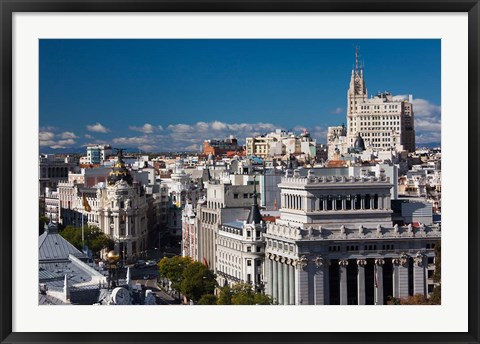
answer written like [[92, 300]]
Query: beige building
[[280, 143], [383, 121]]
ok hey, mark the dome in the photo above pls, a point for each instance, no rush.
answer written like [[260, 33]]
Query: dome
[[359, 144], [119, 171], [112, 256]]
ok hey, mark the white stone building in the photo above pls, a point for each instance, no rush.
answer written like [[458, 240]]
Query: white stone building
[[240, 253], [280, 143], [118, 207], [97, 154], [383, 121], [335, 244]]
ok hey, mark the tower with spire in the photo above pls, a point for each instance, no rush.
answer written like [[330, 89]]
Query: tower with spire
[[357, 94], [254, 216], [357, 91]]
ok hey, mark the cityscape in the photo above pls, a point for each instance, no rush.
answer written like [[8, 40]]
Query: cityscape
[[337, 202]]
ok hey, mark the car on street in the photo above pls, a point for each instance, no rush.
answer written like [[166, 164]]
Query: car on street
[[140, 264], [150, 263]]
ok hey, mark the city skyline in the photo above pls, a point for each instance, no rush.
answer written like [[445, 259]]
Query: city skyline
[[170, 95]]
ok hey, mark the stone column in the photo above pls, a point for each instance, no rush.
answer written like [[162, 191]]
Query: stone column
[[270, 275], [372, 201], [361, 280], [275, 279], [403, 276], [386, 202], [344, 202], [286, 291], [321, 295], [302, 281], [362, 202], [325, 200], [379, 281], [396, 264], [280, 281], [343, 263], [291, 283], [419, 275]]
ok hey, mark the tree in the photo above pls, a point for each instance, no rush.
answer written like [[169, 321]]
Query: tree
[[172, 269], [242, 294], [197, 280], [225, 296], [95, 239], [208, 299], [42, 221]]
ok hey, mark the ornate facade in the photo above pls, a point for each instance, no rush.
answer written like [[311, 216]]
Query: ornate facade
[[335, 244]]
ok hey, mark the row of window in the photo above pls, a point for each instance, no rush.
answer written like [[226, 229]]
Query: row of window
[[280, 245], [245, 195]]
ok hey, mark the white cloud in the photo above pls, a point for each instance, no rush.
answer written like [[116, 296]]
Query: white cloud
[[46, 135], [68, 135], [180, 128], [147, 128], [217, 125], [160, 127], [427, 117], [422, 125], [88, 136], [423, 108], [337, 111], [182, 136], [97, 128]]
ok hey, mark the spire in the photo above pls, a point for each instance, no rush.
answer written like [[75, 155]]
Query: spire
[[356, 60], [254, 215]]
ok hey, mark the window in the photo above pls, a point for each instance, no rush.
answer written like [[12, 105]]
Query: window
[[249, 249], [235, 196], [249, 262], [258, 249], [430, 274], [258, 262]]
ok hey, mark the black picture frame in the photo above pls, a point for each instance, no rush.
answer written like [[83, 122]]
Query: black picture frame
[[9, 7]]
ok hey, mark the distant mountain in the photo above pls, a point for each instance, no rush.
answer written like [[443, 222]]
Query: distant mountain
[[72, 150], [429, 145]]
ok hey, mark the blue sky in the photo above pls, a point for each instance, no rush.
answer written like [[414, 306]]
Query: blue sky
[[159, 95]]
